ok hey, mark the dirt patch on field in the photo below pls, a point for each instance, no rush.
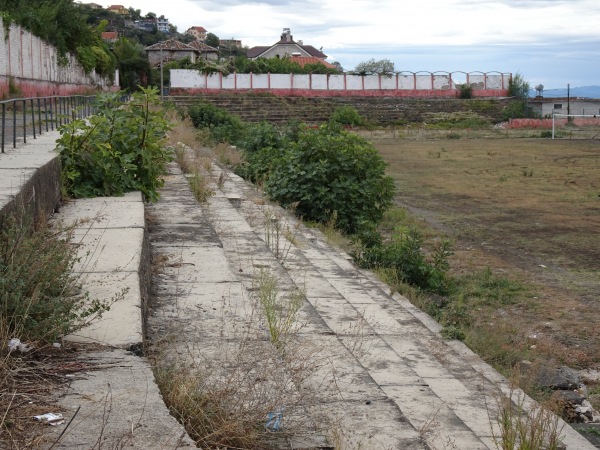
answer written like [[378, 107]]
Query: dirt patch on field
[[527, 208]]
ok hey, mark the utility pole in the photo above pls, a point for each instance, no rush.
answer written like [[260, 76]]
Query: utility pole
[[569, 99]]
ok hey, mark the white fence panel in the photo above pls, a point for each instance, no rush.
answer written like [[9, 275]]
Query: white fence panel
[[260, 81], [336, 82], [354, 83], [388, 82], [281, 81], [301, 82], [441, 81], [423, 82], [406, 81]]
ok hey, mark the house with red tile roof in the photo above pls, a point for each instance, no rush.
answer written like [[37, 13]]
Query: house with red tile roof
[[304, 60], [286, 46], [199, 33], [110, 36]]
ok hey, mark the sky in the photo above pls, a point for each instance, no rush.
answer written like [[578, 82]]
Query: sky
[[549, 42]]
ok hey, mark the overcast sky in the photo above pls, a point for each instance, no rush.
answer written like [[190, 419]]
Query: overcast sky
[[553, 42]]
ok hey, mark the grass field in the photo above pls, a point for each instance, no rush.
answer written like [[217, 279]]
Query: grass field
[[527, 208]]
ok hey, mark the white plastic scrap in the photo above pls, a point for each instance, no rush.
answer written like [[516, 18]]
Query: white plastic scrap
[[51, 419], [15, 344]]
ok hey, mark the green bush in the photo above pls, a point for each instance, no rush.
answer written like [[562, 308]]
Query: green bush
[[328, 171], [403, 254], [465, 91], [117, 150], [346, 115], [224, 126], [39, 298]]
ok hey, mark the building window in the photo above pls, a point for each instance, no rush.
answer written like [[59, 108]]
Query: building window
[[558, 106]]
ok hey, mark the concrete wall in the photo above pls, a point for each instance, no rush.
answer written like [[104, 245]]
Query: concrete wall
[[31, 65], [547, 106], [398, 85]]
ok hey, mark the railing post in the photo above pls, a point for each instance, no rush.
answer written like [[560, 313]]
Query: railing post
[[24, 121], [33, 119], [46, 113], [3, 124], [15, 125], [39, 114], [51, 115]]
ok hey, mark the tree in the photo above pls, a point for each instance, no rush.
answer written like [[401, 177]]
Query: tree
[[135, 14], [212, 40], [518, 87], [382, 67]]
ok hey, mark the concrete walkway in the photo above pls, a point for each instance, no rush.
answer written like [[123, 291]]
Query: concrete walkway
[[379, 375]]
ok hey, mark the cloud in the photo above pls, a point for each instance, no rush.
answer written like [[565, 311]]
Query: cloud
[[549, 39]]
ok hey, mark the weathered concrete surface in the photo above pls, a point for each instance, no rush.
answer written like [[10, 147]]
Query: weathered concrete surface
[[30, 178], [109, 235], [380, 377], [117, 405]]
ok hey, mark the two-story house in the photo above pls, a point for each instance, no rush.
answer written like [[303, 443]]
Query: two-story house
[[199, 33], [286, 46]]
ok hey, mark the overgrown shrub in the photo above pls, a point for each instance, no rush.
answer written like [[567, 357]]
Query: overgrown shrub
[[40, 299], [403, 254], [225, 127], [328, 171], [119, 149], [346, 115], [465, 91]]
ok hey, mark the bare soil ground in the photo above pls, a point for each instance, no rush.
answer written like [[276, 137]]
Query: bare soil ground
[[528, 209]]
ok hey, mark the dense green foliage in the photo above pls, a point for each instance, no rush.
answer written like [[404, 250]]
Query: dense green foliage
[[279, 65], [320, 174], [346, 115], [224, 127], [329, 172], [403, 254], [119, 149], [134, 68], [63, 24], [39, 298]]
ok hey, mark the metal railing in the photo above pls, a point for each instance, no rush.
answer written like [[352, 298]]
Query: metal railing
[[25, 117]]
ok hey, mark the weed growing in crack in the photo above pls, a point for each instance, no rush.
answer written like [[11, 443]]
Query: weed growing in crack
[[516, 427], [280, 312], [200, 187], [277, 237]]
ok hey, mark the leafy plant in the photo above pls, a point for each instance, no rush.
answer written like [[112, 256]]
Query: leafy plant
[[465, 91], [225, 127], [328, 170], [346, 115], [403, 254], [119, 149]]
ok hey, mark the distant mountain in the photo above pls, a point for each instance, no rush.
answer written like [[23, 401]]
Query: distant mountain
[[584, 91]]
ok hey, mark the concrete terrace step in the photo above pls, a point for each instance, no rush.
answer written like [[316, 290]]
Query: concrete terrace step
[[113, 401], [392, 350]]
